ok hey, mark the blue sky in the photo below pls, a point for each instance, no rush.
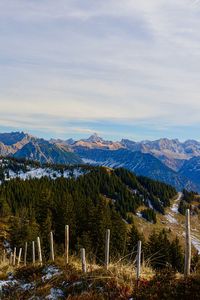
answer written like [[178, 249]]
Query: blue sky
[[128, 68]]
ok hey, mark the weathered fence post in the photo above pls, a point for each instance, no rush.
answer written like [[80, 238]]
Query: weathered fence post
[[25, 253], [67, 244], [39, 250], [139, 247], [187, 244], [83, 260], [14, 256], [33, 251], [51, 247], [19, 257], [107, 248]]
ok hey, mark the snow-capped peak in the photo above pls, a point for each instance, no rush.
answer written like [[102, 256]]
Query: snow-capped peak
[[94, 138]]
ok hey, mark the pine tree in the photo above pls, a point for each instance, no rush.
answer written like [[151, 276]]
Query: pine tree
[[176, 255], [133, 237]]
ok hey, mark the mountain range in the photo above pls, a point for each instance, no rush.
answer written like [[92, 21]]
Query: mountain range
[[171, 161]]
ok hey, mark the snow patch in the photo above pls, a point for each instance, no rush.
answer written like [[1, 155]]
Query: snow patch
[[139, 214], [171, 219], [7, 247], [196, 243], [50, 272], [44, 172], [27, 286], [55, 294], [6, 284]]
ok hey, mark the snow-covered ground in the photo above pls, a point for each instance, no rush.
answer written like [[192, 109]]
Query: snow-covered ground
[[55, 294], [174, 207], [50, 272], [196, 243], [171, 219], [42, 172], [171, 216]]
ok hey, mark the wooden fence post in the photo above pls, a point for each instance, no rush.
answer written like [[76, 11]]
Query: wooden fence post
[[25, 253], [51, 247], [33, 252], [139, 247], [67, 244], [107, 248], [14, 256], [39, 250], [83, 260], [187, 244], [19, 257]]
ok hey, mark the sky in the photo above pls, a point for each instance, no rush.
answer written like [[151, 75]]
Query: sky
[[123, 69]]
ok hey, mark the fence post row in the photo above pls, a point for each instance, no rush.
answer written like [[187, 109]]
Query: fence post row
[[187, 244], [107, 248], [12, 258]]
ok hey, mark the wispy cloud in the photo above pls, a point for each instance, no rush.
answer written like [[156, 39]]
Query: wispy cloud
[[125, 62]]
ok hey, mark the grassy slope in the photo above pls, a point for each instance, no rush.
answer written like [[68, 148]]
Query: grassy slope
[[172, 221], [118, 282]]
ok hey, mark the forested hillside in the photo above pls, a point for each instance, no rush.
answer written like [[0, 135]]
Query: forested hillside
[[90, 203]]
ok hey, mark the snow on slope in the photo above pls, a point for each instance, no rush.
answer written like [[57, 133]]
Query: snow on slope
[[172, 219], [42, 172]]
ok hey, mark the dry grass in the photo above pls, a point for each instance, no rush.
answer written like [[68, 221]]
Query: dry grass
[[97, 283]]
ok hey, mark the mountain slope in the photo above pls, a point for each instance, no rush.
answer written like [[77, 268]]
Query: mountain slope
[[96, 142], [23, 145], [124, 189], [191, 169], [137, 162], [45, 152], [171, 152], [12, 142]]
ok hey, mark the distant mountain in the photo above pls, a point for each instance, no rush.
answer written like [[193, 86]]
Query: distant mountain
[[13, 138], [137, 162], [191, 169], [45, 152], [22, 145], [12, 142], [168, 160], [96, 142], [172, 153]]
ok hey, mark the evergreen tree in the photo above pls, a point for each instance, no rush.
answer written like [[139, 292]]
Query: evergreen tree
[[133, 237], [176, 255]]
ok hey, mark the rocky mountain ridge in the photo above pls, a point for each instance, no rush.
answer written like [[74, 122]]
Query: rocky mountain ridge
[[23, 145], [170, 161]]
